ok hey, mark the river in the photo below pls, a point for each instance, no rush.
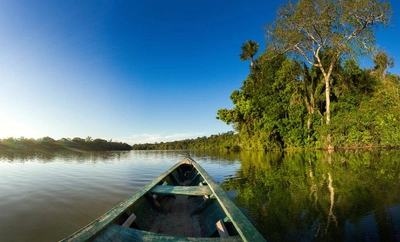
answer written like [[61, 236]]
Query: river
[[290, 196]]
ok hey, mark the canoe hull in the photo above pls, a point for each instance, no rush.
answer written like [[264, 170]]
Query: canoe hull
[[182, 204]]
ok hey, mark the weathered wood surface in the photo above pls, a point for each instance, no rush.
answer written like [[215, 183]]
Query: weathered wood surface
[[182, 190], [118, 233], [164, 184], [203, 205], [177, 221]]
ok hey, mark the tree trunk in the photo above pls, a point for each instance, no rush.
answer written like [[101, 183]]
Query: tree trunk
[[310, 112], [328, 99], [328, 109], [308, 127]]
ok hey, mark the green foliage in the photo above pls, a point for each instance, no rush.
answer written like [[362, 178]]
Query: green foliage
[[224, 141], [47, 143], [280, 105], [322, 32], [306, 90], [249, 50], [382, 62]]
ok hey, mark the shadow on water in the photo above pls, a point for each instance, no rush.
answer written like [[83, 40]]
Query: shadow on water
[[314, 196]]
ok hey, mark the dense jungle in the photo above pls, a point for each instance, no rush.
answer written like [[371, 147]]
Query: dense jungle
[[307, 89]]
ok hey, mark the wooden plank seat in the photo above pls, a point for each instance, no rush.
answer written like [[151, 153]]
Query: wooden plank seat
[[164, 184], [182, 190], [119, 233]]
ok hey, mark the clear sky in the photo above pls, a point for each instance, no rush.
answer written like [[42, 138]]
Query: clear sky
[[132, 71]]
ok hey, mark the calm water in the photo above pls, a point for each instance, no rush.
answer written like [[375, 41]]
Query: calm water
[[302, 196]]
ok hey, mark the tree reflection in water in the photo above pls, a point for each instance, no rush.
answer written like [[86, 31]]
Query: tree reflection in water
[[349, 195], [45, 156]]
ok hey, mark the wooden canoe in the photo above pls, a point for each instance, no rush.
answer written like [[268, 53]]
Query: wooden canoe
[[182, 204]]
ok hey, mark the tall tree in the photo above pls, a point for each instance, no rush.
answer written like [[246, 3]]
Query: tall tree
[[344, 28], [249, 50], [382, 62], [311, 91]]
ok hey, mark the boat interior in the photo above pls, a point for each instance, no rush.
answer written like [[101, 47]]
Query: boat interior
[[181, 205]]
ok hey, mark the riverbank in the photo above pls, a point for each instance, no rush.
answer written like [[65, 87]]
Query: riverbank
[[47, 143]]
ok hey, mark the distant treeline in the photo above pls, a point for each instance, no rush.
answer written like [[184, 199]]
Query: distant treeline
[[228, 140], [47, 143]]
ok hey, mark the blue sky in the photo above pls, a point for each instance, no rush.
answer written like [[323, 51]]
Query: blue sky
[[132, 71]]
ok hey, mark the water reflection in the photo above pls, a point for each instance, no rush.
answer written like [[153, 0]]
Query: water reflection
[[352, 195], [45, 156], [291, 196]]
